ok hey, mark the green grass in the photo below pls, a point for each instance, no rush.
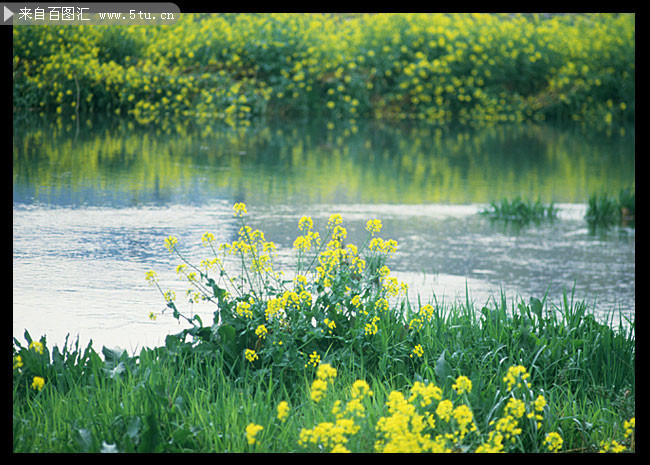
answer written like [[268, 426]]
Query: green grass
[[604, 211], [520, 211], [179, 399]]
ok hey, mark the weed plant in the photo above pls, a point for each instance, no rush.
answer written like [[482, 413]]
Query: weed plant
[[334, 359], [604, 211], [520, 211]]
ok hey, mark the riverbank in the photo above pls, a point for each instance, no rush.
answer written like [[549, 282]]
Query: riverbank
[[181, 398], [467, 70], [518, 376]]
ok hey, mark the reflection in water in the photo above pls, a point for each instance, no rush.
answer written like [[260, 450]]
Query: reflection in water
[[310, 164], [91, 214]]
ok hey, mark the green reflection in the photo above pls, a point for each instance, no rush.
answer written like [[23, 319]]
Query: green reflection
[[307, 163]]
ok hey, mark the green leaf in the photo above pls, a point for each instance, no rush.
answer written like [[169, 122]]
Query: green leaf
[[115, 371], [84, 439], [133, 429], [442, 369], [113, 355], [151, 437], [536, 306], [227, 333]]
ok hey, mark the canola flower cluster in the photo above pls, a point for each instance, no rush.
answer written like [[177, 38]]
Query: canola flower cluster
[[267, 311], [424, 419], [469, 69], [333, 436]]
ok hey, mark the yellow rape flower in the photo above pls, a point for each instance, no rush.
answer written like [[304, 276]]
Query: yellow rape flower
[[37, 346], [170, 243], [318, 389], [417, 350], [207, 238], [38, 383], [516, 376], [283, 411], [326, 371], [611, 446], [305, 224], [240, 209], [553, 442], [373, 226], [314, 359], [463, 384], [250, 355], [629, 426], [334, 220], [261, 332], [150, 276], [251, 432], [444, 410]]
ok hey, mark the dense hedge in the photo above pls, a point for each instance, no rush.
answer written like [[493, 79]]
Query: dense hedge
[[467, 69]]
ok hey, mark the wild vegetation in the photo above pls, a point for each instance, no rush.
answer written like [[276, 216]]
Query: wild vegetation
[[471, 70], [520, 210], [605, 210], [333, 358], [330, 355]]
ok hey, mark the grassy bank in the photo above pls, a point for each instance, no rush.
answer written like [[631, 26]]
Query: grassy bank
[[445, 69], [334, 359], [179, 399]]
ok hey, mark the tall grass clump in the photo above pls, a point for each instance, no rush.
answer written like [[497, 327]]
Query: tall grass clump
[[604, 210], [468, 70], [520, 211]]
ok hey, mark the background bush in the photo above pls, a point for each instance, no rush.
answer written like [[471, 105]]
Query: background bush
[[465, 69]]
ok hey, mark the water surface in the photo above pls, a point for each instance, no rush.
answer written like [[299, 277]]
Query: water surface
[[91, 208]]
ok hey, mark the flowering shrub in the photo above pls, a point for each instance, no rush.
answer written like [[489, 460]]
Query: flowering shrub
[[467, 69], [335, 305]]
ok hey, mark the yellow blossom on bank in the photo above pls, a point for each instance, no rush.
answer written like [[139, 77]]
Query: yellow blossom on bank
[[38, 383], [150, 276], [314, 359], [611, 447], [629, 426], [318, 389], [251, 432], [283, 411], [444, 409], [463, 384], [418, 351], [261, 331], [170, 243], [325, 371], [36, 346], [305, 224], [373, 226], [517, 376], [240, 209], [553, 442], [207, 238], [250, 355]]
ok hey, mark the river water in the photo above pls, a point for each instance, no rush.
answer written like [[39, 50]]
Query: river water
[[93, 205]]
